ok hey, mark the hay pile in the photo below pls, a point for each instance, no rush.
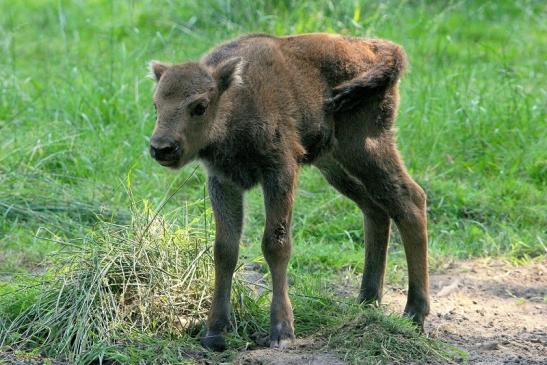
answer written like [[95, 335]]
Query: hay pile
[[147, 277]]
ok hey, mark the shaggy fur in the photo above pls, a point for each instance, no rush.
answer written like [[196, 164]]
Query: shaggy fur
[[255, 109]]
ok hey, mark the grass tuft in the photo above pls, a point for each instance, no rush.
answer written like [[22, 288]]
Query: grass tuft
[[370, 336], [147, 277]]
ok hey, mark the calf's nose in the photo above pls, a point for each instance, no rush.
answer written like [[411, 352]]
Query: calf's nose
[[163, 149]]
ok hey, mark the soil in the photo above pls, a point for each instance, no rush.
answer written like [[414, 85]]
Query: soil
[[307, 351], [495, 311]]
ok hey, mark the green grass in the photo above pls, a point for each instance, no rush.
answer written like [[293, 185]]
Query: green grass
[[76, 115]]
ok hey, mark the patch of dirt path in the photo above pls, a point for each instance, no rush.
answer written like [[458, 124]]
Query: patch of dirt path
[[306, 351], [495, 311]]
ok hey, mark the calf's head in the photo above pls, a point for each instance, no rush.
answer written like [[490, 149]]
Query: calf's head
[[187, 101]]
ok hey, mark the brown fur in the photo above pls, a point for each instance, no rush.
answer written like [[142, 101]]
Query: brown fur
[[253, 110]]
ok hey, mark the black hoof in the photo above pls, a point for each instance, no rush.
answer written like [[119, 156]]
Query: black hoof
[[373, 300], [281, 335], [417, 318], [213, 342]]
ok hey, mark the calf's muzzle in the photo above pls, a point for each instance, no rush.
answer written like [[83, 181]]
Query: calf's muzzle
[[165, 150]]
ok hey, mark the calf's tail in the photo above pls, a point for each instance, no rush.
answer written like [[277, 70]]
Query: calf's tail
[[380, 77]]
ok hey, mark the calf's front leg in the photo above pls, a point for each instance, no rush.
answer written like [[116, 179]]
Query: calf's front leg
[[227, 203], [276, 246]]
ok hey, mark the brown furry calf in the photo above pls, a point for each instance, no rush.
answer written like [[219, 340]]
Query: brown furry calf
[[252, 111]]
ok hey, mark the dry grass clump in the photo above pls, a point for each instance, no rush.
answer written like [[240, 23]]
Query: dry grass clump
[[148, 277]]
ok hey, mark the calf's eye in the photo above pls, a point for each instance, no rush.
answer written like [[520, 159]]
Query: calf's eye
[[198, 110]]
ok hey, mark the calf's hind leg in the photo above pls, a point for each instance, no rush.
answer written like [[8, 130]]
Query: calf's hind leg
[[377, 227], [376, 163]]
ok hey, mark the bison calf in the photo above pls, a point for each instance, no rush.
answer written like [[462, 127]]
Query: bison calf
[[253, 110]]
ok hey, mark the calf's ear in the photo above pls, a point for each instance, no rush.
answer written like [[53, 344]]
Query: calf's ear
[[157, 69], [228, 73]]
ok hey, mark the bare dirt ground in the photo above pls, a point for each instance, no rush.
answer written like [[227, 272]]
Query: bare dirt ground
[[305, 351], [495, 311]]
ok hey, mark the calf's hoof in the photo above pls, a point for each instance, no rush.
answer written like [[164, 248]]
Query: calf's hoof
[[215, 342], [369, 299], [281, 335], [417, 315]]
